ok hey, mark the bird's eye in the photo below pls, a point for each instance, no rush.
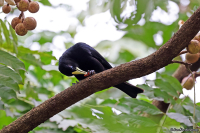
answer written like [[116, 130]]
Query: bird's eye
[[71, 67]]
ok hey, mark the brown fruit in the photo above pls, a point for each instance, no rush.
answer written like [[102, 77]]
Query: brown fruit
[[33, 7], [197, 37], [30, 23], [20, 29], [188, 84], [23, 5], [15, 21], [193, 47], [192, 58], [17, 1], [6, 9]]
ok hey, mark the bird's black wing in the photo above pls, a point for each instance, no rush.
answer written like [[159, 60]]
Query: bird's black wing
[[100, 58], [95, 54]]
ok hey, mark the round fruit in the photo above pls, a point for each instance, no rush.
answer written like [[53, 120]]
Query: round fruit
[[6, 8], [30, 23], [193, 47], [192, 58], [17, 1], [20, 29], [33, 7], [23, 5], [197, 37], [15, 21], [188, 84]]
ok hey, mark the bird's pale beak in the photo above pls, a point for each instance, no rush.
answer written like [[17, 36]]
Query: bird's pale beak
[[79, 71]]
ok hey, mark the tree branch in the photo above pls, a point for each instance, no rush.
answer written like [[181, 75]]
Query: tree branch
[[183, 52], [108, 78]]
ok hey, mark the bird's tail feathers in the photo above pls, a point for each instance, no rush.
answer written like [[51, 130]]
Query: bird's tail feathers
[[129, 89]]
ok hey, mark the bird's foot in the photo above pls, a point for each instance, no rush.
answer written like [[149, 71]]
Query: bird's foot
[[74, 83], [89, 73]]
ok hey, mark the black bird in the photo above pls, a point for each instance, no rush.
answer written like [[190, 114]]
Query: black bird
[[81, 57]]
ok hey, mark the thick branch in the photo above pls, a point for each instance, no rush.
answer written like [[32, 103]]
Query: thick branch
[[105, 79]]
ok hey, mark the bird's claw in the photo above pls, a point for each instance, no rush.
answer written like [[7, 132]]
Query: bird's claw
[[90, 73]]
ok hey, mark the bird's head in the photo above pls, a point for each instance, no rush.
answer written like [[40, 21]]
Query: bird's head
[[66, 69], [71, 70], [69, 67]]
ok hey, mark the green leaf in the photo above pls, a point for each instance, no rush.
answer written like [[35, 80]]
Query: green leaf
[[5, 32], [165, 130], [162, 4], [10, 73], [148, 30], [45, 2], [167, 87], [48, 124], [139, 105], [9, 82], [171, 123], [23, 51], [1, 104], [7, 93], [45, 59], [173, 81], [124, 56], [180, 118], [138, 120], [158, 93], [171, 68], [143, 97], [67, 123], [116, 10], [107, 111], [30, 92], [188, 105], [31, 59], [115, 104], [148, 91], [5, 120], [198, 104], [15, 39], [143, 6], [145, 87], [11, 61], [85, 112], [20, 105], [1, 38]]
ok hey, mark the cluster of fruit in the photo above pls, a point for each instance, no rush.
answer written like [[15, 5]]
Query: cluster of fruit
[[20, 24], [191, 57]]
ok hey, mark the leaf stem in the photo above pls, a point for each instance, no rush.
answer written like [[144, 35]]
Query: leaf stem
[[194, 94], [164, 119]]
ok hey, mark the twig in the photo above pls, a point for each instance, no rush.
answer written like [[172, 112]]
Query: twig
[[180, 62], [182, 52], [165, 116], [194, 95]]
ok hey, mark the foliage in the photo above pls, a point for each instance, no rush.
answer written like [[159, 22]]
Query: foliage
[[29, 77]]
